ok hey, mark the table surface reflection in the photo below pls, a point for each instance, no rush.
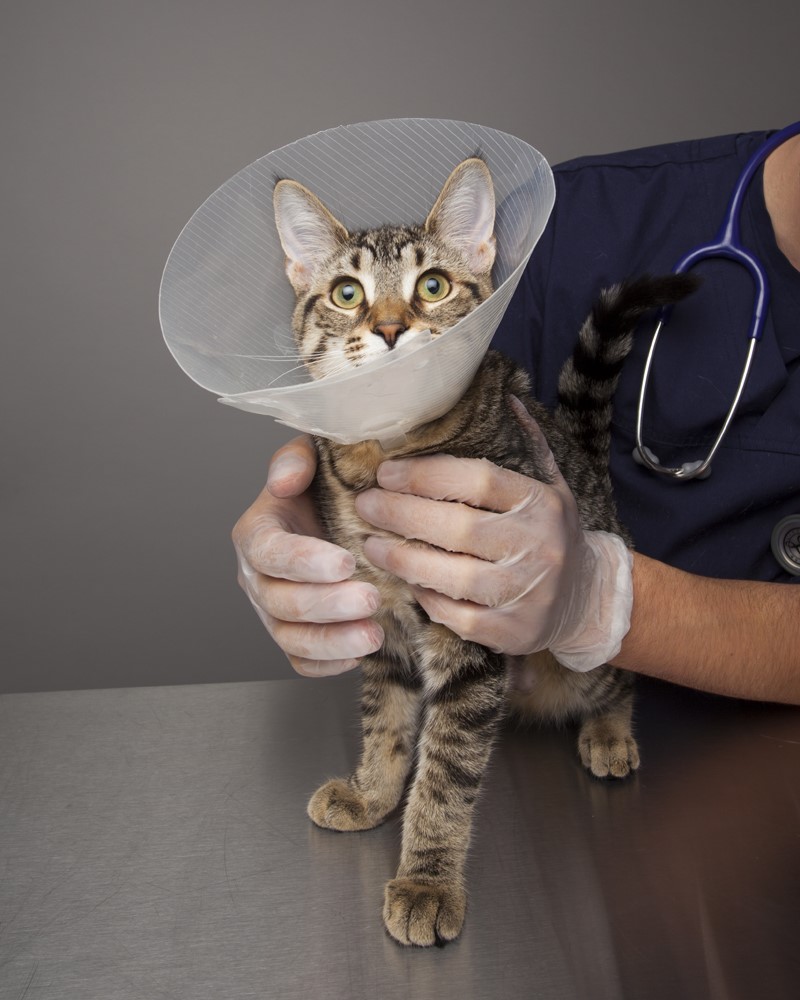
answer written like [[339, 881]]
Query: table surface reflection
[[154, 844]]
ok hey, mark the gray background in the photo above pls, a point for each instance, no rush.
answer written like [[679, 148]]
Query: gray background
[[121, 479]]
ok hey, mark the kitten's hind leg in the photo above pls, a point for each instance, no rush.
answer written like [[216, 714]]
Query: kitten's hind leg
[[606, 743], [390, 704]]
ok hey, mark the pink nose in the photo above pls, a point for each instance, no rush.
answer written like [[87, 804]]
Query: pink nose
[[390, 332]]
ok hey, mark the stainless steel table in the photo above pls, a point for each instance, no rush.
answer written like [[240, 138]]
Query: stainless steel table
[[154, 844]]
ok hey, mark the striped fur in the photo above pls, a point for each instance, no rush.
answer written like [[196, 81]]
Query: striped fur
[[432, 704], [588, 380]]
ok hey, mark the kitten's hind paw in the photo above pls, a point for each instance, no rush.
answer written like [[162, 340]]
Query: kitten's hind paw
[[607, 748], [423, 913], [339, 806]]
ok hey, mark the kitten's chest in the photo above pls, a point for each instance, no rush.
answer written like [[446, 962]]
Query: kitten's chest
[[349, 469], [343, 473]]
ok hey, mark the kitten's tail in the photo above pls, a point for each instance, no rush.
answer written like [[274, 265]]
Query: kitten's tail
[[589, 378]]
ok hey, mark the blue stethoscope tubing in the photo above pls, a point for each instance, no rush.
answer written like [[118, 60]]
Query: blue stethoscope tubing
[[726, 244]]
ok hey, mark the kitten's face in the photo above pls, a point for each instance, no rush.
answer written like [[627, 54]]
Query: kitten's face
[[361, 294]]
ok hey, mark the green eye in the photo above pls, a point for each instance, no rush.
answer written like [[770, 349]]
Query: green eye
[[347, 294], [433, 287]]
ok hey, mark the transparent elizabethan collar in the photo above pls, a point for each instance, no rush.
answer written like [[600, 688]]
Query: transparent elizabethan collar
[[226, 303]]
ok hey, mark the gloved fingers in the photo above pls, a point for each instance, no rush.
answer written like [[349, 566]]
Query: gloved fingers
[[292, 467], [471, 622], [451, 526], [285, 507], [458, 576], [303, 558], [534, 527], [324, 643], [473, 481], [287, 601], [322, 668], [333, 645], [292, 574], [544, 455]]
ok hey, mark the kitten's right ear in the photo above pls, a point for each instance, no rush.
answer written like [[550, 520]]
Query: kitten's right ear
[[309, 233]]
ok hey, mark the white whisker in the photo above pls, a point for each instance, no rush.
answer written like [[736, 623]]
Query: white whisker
[[297, 368], [261, 357], [344, 366]]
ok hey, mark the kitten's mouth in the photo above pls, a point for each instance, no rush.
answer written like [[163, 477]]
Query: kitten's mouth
[[405, 338], [402, 341], [403, 345]]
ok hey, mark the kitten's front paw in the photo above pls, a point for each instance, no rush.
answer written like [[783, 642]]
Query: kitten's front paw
[[423, 913], [607, 750], [338, 806]]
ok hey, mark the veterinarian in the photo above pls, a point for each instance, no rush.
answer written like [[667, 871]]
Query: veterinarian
[[708, 599]]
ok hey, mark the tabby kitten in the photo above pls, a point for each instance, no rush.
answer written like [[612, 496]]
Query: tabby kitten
[[431, 701]]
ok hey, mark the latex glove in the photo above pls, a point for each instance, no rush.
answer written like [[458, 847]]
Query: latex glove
[[512, 568], [297, 581]]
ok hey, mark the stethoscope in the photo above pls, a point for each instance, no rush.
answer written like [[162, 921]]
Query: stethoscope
[[727, 244], [785, 540]]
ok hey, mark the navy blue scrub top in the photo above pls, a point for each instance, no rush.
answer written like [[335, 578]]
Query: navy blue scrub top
[[639, 212]]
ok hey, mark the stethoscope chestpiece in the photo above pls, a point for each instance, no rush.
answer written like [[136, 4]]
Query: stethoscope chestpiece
[[689, 470]]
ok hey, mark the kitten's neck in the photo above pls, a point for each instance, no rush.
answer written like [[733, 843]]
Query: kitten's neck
[[357, 464]]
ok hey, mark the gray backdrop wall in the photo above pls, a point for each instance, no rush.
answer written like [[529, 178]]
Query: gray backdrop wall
[[121, 479]]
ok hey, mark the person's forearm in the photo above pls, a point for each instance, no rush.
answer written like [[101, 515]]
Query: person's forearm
[[730, 637]]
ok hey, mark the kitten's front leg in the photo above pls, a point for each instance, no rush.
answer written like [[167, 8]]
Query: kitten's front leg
[[465, 696], [390, 704]]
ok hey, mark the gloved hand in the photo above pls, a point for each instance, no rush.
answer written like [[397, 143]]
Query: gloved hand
[[512, 568], [299, 583]]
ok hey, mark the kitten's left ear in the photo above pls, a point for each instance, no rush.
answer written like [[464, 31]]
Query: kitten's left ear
[[308, 232], [464, 214]]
